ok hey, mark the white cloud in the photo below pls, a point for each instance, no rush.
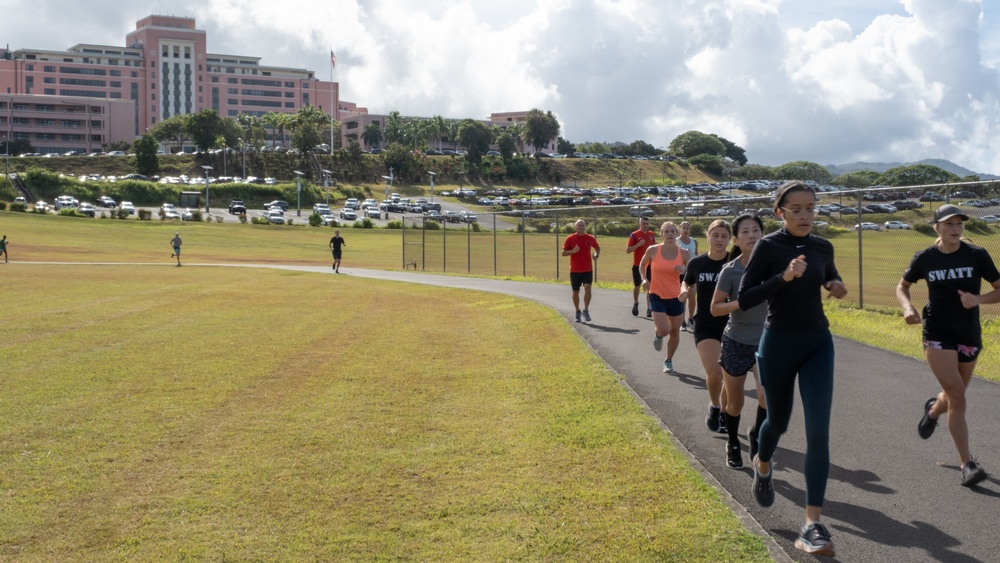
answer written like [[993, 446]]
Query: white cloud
[[831, 82]]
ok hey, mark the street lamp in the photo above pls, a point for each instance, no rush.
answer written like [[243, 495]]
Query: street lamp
[[207, 170], [298, 190], [326, 185], [432, 185], [243, 153], [388, 181]]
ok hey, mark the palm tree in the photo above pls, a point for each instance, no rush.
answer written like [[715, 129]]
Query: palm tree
[[372, 135], [440, 128], [393, 128], [272, 121], [453, 132]]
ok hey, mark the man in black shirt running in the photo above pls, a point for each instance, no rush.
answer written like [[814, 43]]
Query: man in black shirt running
[[336, 245]]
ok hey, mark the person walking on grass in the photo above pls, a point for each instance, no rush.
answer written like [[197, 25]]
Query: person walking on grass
[[3, 248], [638, 241], [175, 243], [336, 246], [700, 282], [667, 262], [787, 269], [952, 334], [685, 241], [740, 339], [581, 247]]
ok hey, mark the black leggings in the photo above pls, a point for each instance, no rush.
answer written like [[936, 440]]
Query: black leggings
[[780, 358]]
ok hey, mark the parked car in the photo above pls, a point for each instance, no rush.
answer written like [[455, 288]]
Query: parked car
[[65, 201], [171, 213], [237, 207], [21, 201], [352, 203], [432, 215], [127, 207], [370, 202], [322, 209], [274, 217], [640, 211], [188, 215], [867, 227], [373, 213], [467, 217], [907, 204], [106, 201], [87, 209], [720, 212], [897, 225], [984, 218], [931, 196], [277, 203], [348, 214], [42, 207], [328, 220]]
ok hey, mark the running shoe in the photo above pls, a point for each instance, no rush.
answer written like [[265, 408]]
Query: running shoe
[[752, 436], [586, 315], [734, 456], [649, 313], [763, 489], [972, 474], [684, 326], [657, 342], [927, 424], [578, 316], [815, 540], [668, 366], [712, 421], [635, 309]]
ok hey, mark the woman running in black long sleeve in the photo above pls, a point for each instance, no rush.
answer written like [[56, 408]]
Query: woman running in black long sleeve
[[787, 269]]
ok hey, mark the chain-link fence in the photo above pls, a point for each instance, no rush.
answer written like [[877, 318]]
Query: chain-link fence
[[875, 232]]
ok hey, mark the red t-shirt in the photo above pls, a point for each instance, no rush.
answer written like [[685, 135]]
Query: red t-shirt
[[635, 237], [581, 262]]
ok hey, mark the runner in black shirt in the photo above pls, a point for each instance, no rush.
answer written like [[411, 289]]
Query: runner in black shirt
[[952, 334], [786, 269], [336, 245], [700, 278]]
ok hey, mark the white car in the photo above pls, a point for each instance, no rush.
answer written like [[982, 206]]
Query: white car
[[369, 203], [989, 219], [328, 221], [897, 225], [867, 227], [373, 213], [322, 209], [352, 203], [348, 214], [274, 217], [188, 215], [20, 200], [127, 206], [42, 207]]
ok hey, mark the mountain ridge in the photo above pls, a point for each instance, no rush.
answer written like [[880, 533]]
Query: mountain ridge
[[947, 165]]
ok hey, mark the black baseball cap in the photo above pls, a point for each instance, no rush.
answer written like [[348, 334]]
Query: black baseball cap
[[948, 211]]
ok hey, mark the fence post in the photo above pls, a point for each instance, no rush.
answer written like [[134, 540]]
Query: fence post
[[861, 261], [524, 247], [468, 247], [494, 243], [444, 245]]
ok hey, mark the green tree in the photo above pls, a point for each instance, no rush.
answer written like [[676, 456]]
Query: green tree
[[707, 162], [172, 131], [916, 175], [565, 147], [856, 179], [506, 145], [400, 159], [475, 137], [540, 129], [754, 172], [693, 143], [594, 148], [372, 135], [640, 148], [440, 128], [146, 160], [393, 131], [803, 170], [305, 137], [204, 128], [733, 152]]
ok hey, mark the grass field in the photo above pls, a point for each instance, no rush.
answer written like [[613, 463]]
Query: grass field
[[154, 413]]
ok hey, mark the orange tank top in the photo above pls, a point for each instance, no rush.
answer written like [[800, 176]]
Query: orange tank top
[[666, 282]]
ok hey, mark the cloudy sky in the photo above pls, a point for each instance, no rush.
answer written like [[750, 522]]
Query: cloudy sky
[[831, 81]]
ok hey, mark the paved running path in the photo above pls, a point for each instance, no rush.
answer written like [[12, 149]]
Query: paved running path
[[891, 496]]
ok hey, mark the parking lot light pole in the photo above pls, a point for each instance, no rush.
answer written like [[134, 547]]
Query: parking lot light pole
[[207, 170], [243, 153], [432, 185], [388, 182], [326, 186], [298, 190]]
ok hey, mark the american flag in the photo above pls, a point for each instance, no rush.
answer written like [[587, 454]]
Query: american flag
[[333, 59]]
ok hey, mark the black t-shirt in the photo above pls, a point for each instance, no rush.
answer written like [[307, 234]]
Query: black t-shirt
[[965, 269], [796, 305], [336, 242], [703, 274]]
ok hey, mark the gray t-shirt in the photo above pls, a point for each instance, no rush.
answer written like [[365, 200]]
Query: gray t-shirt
[[744, 327]]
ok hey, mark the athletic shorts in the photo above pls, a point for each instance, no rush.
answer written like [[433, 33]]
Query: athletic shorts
[[737, 358], [637, 277], [966, 353], [708, 330], [576, 279], [337, 254], [177, 250], [672, 307]]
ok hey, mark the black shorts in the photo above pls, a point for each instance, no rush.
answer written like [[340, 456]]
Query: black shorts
[[637, 278], [709, 329], [737, 358], [966, 352], [337, 254], [576, 279]]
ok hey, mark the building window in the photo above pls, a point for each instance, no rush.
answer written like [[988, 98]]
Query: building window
[[49, 68], [29, 67], [289, 94], [116, 73], [49, 79], [290, 105], [289, 85], [115, 84], [135, 74], [49, 91]]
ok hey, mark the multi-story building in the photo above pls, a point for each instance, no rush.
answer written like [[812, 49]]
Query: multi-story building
[[72, 100]]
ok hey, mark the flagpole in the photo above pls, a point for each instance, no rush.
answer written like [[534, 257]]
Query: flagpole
[[333, 109]]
